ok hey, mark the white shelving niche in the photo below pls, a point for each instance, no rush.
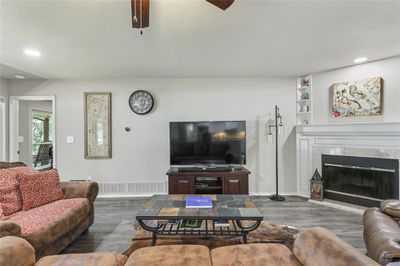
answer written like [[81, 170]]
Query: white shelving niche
[[304, 100]]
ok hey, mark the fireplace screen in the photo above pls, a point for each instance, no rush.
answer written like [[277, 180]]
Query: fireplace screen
[[359, 180]]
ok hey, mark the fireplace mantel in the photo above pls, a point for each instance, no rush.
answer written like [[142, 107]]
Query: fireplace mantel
[[374, 129], [380, 140]]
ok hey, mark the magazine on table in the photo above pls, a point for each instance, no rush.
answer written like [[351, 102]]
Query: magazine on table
[[199, 202]]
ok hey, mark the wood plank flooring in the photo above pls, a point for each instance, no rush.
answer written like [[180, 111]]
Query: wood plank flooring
[[113, 227]]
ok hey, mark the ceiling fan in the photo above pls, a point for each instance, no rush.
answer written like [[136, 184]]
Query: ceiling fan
[[141, 11]]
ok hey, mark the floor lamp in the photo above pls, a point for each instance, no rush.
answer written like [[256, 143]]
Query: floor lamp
[[278, 126]]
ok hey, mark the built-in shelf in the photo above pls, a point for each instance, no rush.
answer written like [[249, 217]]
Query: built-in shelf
[[303, 101]]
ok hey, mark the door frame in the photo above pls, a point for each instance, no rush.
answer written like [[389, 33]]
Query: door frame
[[14, 124], [3, 127]]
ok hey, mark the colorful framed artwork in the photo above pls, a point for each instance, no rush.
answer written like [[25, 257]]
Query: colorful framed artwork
[[97, 133], [357, 98]]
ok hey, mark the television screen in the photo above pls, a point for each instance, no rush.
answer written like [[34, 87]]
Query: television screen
[[217, 142]]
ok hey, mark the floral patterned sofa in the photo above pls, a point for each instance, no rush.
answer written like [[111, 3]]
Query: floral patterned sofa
[[50, 227]]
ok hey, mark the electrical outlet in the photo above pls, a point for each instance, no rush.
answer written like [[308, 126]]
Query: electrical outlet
[[89, 178]]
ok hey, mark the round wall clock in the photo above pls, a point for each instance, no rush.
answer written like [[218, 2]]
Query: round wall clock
[[141, 102]]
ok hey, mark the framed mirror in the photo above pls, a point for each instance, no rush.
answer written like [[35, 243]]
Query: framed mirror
[[98, 137]]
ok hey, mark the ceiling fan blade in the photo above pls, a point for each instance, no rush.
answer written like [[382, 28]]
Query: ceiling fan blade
[[223, 4], [140, 13]]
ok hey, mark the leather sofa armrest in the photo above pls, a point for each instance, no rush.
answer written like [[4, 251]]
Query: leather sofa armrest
[[8, 228], [16, 251], [381, 236], [391, 208], [318, 246], [80, 189]]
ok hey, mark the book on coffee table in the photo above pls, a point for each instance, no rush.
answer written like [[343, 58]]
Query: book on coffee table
[[221, 223], [191, 224], [199, 202]]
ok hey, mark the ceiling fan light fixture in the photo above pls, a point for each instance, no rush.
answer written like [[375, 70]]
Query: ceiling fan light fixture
[[19, 76]]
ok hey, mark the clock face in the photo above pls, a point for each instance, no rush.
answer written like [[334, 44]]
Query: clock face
[[141, 102]]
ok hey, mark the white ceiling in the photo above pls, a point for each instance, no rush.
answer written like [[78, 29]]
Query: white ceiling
[[192, 38]]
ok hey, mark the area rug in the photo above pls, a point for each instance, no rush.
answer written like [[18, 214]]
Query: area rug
[[265, 233]]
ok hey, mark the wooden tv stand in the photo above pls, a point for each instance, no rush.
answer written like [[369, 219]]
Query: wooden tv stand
[[208, 182]]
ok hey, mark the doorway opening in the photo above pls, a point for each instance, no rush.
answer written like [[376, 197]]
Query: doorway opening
[[42, 139], [32, 131]]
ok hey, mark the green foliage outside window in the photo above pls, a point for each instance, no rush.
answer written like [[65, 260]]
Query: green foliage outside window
[[38, 133]]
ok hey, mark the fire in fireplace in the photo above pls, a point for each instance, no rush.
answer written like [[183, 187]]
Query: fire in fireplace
[[360, 180]]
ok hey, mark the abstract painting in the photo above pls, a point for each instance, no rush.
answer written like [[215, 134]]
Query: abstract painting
[[357, 98]]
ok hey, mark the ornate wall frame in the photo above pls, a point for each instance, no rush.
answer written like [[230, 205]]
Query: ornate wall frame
[[97, 129]]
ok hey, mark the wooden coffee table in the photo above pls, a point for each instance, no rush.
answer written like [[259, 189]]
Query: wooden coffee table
[[234, 208]]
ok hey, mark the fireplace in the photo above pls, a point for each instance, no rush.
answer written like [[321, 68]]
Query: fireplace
[[360, 180]]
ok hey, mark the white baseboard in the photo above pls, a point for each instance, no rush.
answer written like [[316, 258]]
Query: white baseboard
[[271, 193], [120, 195]]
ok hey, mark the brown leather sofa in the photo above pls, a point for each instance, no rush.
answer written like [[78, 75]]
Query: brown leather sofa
[[314, 247], [51, 237], [382, 232]]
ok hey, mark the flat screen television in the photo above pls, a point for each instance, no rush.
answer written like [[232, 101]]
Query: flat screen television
[[209, 142]]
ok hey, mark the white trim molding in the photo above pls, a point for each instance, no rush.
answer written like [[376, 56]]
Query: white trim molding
[[379, 140], [351, 129]]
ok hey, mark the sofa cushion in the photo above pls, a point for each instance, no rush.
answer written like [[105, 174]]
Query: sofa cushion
[[4, 165], [254, 255], [84, 259], [173, 255], [391, 207], [10, 198], [47, 223], [23, 170], [39, 188]]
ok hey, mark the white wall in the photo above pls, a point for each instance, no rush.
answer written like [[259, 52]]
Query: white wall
[[388, 69], [142, 155], [4, 120]]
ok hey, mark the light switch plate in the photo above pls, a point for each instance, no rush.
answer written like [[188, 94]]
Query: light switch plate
[[70, 139], [20, 139]]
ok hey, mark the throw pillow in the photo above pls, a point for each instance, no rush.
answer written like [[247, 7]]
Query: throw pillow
[[39, 188], [10, 196]]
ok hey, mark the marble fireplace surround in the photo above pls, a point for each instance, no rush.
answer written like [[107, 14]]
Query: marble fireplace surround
[[379, 140]]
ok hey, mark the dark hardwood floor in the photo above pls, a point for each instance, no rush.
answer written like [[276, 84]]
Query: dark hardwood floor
[[113, 227]]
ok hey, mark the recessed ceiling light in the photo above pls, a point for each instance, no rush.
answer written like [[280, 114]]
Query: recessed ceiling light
[[32, 52], [19, 76], [360, 60]]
